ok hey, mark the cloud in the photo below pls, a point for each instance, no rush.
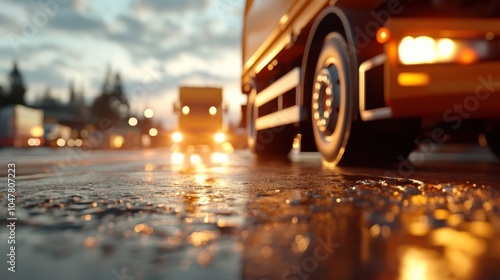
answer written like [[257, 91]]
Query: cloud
[[169, 40], [156, 83], [85, 14], [4, 20], [132, 34], [207, 40], [42, 75], [37, 24], [57, 49], [47, 15], [73, 21], [173, 6]]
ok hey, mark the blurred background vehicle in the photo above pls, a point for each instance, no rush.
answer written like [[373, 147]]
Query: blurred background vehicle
[[200, 127], [56, 135], [21, 126]]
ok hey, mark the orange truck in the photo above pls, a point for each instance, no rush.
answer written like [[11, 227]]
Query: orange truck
[[355, 79]]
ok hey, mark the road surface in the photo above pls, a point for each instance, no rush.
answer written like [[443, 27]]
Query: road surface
[[135, 215]]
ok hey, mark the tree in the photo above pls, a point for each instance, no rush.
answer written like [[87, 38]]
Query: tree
[[2, 97], [101, 108], [47, 96], [72, 93], [112, 104], [17, 88], [119, 102], [106, 85]]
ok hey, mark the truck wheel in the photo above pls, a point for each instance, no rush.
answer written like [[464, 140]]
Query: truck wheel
[[339, 139], [332, 103], [493, 138], [273, 142]]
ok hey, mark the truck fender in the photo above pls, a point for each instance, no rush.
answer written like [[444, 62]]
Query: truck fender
[[329, 20]]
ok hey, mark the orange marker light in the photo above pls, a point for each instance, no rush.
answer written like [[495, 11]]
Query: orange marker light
[[467, 56], [383, 35], [413, 79]]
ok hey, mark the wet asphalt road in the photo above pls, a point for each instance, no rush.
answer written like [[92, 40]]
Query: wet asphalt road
[[134, 215]]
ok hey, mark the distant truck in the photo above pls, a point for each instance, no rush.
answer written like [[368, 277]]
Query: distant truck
[[355, 77], [200, 112], [21, 126], [56, 135]]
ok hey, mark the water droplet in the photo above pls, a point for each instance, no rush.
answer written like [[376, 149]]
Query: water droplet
[[300, 244], [375, 230], [89, 242], [202, 238], [205, 258], [143, 229], [266, 252], [385, 231]]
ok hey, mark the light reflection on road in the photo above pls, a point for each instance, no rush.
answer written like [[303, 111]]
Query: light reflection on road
[[252, 220]]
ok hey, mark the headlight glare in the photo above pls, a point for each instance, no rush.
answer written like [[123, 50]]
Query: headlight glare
[[177, 137], [427, 50], [220, 137]]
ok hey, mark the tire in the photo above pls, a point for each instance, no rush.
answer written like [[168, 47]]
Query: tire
[[332, 104], [493, 138], [275, 142], [339, 139]]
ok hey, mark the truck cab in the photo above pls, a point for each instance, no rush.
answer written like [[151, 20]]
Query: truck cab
[[200, 119]]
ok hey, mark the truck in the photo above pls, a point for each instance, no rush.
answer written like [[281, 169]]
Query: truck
[[356, 79], [200, 123], [21, 126], [56, 135]]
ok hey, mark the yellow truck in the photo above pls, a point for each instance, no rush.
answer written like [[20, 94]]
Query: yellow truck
[[200, 119], [355, 78]]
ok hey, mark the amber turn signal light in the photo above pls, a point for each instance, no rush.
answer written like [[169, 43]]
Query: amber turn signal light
[[383, 35]]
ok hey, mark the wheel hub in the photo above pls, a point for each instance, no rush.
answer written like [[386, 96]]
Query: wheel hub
[[326, 100]]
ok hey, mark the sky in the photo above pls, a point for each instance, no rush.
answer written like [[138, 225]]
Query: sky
[[156, 45]]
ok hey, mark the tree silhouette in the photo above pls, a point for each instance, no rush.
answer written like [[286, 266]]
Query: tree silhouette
[[112, 104], [2, 97], [48, 100], [119, 102], [72, 93], [17, 88], [106, 85]]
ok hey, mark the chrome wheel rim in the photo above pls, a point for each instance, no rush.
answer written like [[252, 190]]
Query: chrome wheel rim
[[326, 100]]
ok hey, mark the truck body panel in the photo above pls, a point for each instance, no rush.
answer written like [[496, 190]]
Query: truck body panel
[[447, 83], [19, 124], [270, 25]]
